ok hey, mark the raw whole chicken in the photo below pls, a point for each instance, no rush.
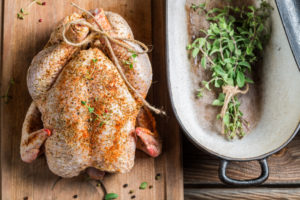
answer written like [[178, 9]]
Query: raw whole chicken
[[83, 114]]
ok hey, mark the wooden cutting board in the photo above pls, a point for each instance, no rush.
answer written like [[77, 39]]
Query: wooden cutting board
[[20, 41]]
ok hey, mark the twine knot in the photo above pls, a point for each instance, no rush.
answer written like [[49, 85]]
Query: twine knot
[[230, 92], [97, 32]]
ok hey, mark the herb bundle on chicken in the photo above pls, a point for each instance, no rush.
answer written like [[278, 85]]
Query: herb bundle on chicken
[[229, 48]]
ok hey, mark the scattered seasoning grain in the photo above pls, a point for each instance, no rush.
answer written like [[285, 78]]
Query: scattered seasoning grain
[[125, 185], [131, 191], [98, 185], [44, 3], [75, 196], [40, 20], [20, 16], [158, 176], [150, 186], [25, 198], [133, 197]]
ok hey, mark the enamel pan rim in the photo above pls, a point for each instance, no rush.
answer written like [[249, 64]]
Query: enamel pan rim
[[288, 24], [199, 145]]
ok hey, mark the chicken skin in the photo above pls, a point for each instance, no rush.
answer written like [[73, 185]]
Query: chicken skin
[[83, 113]]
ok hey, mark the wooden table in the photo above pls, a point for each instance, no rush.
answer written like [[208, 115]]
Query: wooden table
[[20, 40], [201, 175], [200, 169]]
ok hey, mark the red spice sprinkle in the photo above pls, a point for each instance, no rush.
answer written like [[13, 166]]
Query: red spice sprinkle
[[47, 131], [44, 3], [105, 110], [40, 20]]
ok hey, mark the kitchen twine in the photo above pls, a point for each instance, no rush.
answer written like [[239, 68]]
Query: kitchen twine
[[99, 31], [230, 92]]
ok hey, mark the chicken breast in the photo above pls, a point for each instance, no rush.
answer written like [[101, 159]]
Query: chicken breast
[[92, 117]]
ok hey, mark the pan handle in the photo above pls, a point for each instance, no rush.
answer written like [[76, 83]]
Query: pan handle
[[262, 178]]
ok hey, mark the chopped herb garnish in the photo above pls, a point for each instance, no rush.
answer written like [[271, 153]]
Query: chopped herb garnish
[[229, 49], [110, 196], [101, 124], [133, 197], [131, 191], [143, 185], [132, 60], [94, 60], [134, 55], [102, 118], [91, 110], [39, 3], [20, 15], [126, 62], [129, 63]]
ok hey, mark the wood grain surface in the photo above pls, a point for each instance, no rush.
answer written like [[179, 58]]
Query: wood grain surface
[[284, 166], [243, 194], [22, 39], [202, 182]]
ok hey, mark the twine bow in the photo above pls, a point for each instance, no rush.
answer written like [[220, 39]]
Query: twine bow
[[230, 92], [98, 31]]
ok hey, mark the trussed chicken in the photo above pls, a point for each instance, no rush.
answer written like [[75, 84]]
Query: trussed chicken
[[91, 120]]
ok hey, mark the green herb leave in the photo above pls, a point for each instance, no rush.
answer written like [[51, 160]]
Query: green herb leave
[[229, 48]]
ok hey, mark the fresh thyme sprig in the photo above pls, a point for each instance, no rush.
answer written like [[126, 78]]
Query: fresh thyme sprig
[[229, 47], [102, 118]]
